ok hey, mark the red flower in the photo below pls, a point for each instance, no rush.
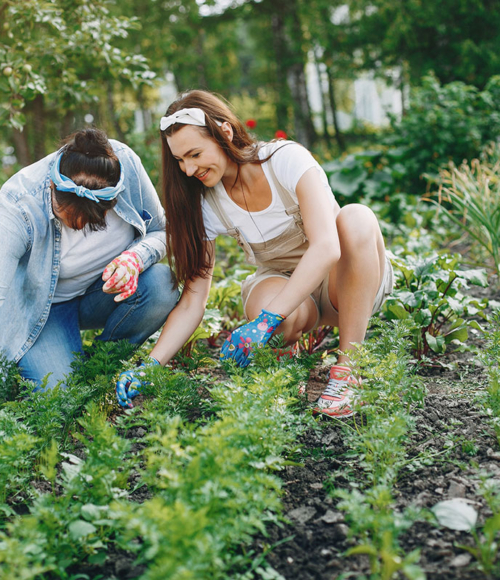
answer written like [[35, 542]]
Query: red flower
[[280, 134], [251, 123]]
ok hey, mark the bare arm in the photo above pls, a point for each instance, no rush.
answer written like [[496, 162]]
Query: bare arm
[[324, 247], [185, 317]]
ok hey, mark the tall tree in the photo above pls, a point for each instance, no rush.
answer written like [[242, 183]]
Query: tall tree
[[54, 56], [456, 39]]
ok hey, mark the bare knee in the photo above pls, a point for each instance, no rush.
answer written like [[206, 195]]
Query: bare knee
[[358, 227]]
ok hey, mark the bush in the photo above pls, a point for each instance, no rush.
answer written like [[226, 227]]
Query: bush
[[444, 123]]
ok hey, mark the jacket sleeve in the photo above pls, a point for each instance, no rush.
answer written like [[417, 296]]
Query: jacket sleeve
[[14, 241], [151, 247]]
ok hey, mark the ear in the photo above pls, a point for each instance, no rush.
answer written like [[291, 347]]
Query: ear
[[227, 129]]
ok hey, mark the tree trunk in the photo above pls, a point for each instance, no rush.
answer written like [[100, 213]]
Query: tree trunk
[[324, 120], [282, 94], [67, 124], [302, 109], [304, 128], [290, 67], [110, 104], [202, 74], [39, 133], [20, 139], [333, 105]]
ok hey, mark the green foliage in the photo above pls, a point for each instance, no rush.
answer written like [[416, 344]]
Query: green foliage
[[373, 519], [368, 175], [173, 393], [67, 528], [486, 540], [490, 358], [443, 123], [212, 482], [9, 379], [376, 444], [485, 550], [99, 359], [456, 39], [469, 195], [17, 454], [64, 51], [429, 292]]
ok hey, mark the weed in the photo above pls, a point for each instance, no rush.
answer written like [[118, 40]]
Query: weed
[[373, 519], [471, 192]]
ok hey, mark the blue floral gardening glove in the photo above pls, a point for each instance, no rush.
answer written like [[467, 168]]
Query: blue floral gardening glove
[[239, 344], [129, 386]]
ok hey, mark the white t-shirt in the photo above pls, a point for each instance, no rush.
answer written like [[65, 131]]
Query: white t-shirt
[[289, 163], [84, 255]]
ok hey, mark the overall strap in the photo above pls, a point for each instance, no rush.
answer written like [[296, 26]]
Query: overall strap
[[292, 208], [235, 233]]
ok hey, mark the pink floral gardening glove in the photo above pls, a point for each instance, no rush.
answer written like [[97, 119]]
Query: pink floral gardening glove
[[122, 275]]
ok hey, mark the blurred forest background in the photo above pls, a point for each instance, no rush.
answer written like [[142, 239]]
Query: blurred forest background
[[415, 78]]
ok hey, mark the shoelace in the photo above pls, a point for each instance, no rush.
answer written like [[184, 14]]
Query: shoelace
[[334, 388]]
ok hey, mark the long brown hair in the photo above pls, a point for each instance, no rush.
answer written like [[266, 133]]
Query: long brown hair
[[186, 240]]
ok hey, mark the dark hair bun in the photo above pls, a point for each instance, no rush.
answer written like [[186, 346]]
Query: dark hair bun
[[93, 142], [88, 154]]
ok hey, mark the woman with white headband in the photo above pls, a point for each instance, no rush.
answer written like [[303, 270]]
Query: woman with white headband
[[81, 233], [317, 264]]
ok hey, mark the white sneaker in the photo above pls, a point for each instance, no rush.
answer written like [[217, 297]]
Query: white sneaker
[[338, 399]]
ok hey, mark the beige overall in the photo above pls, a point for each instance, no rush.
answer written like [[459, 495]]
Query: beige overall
[[279, 257]]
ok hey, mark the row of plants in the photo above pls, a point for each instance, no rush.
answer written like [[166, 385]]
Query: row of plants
[[376, 452], [180, 500], [486, 536]]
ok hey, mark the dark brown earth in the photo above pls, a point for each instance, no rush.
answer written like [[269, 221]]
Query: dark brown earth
[[311, 542]]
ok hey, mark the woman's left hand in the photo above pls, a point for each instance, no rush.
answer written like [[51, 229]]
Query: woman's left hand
[[130, 383], [122, 275], [239, 344]]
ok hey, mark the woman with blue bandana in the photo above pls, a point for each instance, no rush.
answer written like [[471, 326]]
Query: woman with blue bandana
[[81, 233]]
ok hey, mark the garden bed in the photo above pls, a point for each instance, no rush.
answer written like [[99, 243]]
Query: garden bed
[[224, 473]]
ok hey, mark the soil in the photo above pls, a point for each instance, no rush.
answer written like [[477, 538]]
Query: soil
[[311, 542]]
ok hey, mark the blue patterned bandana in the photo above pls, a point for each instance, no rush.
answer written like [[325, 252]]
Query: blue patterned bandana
[[63, 183]]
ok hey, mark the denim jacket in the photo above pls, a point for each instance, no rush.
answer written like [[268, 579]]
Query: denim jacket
[[30, 243]]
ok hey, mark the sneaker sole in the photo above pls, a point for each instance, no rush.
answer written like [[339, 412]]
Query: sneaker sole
[[334, 412]]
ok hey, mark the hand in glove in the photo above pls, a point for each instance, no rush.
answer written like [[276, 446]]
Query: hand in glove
[[239, 344], [122, 275], [130, 383]]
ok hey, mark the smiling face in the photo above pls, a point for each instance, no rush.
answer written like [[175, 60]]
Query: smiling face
[[200, 156]]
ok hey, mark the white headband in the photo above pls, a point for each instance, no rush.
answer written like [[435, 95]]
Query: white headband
[[185, 117]]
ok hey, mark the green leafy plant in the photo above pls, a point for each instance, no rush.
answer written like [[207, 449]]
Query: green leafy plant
[[9, 379], [371, 175], [429, 292], [486, 541], [470, 196], [443, 123], [374, 521]]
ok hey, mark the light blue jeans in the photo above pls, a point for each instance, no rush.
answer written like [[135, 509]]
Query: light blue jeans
[[134, 319]]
